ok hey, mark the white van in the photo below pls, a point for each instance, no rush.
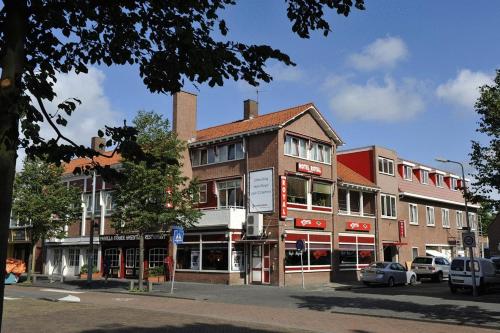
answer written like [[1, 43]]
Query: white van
[[461, 275]]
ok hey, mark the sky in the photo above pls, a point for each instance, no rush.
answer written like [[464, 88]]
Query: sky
[[401, 74]]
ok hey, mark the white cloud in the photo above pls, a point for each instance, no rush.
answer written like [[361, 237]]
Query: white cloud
[[388, 101], [382, 53], [283, 73], [463, 91], [94, 112]]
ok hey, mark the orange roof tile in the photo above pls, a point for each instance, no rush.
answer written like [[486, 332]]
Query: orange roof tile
[[241, 126], [348, 175], [102, 160]]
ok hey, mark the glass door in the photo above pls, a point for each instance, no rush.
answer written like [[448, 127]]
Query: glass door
[[131, 263], [256, 264]]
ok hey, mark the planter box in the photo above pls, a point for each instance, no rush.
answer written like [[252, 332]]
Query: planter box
[[95, 276], [157, 279]]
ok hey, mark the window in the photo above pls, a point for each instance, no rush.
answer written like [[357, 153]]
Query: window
[[295, 146], [94, 258], [109, 203], [388, 205], [407, 172], [74, 257], [318, 254], [445, 217], [343, 201], [354, 202], [414, 252], [214, 257], [202, 193], [424, 175], [356, 251], [439, 180], [453, 184], [211, 152], [429, 216], [472, 221], [413, 214], [132, 258], [460, 220], [386, 166], [230, 194], [113, 256], [320, 153], [368, 200], [300, 147], [209, 252], [217, 154], [297, 190], [321, 194], [157, 256], [87, 201]]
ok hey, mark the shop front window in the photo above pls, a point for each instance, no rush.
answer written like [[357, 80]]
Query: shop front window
[[356, 251], [113, 256], [209, 253], [157, 256], [188, 256], [214, 257], [318, 254]]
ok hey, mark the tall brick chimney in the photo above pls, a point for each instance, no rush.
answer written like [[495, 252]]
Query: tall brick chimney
[[96, 142], [250, 109], [184, 124]]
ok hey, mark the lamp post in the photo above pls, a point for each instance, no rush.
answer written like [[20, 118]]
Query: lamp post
[[471, 252]]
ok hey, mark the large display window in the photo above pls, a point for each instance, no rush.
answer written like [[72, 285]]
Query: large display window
[[356, 251], [318, 254], [203, 252]]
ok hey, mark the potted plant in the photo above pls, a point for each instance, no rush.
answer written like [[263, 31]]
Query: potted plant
[[84, 272], [156, 274]]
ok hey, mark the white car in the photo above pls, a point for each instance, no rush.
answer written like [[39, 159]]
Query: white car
[[388, 273], [486, 274]]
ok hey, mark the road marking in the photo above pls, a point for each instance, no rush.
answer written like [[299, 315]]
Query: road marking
[[10, 298], [124, 299], [69, 298], [62, 291]]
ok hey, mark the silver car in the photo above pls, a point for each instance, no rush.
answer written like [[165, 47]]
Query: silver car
[[435, 268], [389, 273]]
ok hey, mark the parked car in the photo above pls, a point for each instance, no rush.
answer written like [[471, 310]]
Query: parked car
[[486, 274], [436, 268], [496, 261], [389, 273]]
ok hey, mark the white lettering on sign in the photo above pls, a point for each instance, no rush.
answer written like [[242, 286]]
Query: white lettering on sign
[[307, 168], [283, 198], [261, 191]]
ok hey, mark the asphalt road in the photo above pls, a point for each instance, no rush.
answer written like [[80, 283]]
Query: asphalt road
[[279, 309]]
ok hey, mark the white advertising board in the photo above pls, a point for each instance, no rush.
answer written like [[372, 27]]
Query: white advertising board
[[261, 191]]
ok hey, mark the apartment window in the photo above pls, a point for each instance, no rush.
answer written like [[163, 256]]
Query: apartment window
[[354, 202], [203, 157], [296, 146], [472, 221], [407, 172], [230, 194], [439, 180], [343, 200], [87, 200], [386, 166], [320, 153], [414, 252], [460, 220], [217, 154], [157, 256], [413, 214], [202, 193], [321, 194], [211, 153], [388, 205], [429, 216], [445, 217], [297, 190], [74, 257], [454, 184], [424, 175]]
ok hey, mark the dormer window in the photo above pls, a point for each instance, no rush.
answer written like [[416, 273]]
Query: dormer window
[[424, 176], [454, 184], [439, 180], [407, 172]]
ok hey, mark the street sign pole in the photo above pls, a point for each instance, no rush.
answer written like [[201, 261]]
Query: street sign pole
[[177, 238], [300, 245], [173, 269], [302, 270]]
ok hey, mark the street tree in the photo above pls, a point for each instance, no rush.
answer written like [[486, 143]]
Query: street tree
[[43, 202], [485, 157], [153, 195], [168, 42]]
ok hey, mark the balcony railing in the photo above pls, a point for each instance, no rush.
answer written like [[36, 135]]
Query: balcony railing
[[231, 217]]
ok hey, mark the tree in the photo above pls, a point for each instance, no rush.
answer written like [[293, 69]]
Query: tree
[[154, 195], [169, 42], [44, 202], [486, 158]]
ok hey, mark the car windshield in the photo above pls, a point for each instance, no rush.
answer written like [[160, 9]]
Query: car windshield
[[378, 265], [422, 260], [457, 265], [476, 266]]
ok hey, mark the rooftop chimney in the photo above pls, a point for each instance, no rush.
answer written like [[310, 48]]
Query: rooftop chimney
[[250, 109], [98, 144], [184, 117]]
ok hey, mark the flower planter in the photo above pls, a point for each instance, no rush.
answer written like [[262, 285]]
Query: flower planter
[[95, 276], [157, 279]]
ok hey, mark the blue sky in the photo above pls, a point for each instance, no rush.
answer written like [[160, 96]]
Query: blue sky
[[402, 74]]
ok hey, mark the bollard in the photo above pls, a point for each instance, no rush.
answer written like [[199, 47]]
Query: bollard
[[33, 277], [150, 286], [131, 284]]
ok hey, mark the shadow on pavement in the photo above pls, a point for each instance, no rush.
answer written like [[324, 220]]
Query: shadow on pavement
[[190, 328], [468, 315]]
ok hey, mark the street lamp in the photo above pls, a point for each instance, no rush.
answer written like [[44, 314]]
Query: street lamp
[[471, 253]]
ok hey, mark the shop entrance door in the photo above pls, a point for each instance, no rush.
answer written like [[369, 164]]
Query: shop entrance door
[[57, 259], [132, 263], [266, 267], [390, 253], [256, 263]]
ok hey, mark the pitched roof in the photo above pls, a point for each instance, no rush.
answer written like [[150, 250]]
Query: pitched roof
[[102, 160], [348, 175], [269, 120]]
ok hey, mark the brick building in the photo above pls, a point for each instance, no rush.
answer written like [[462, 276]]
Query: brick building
[[494, 237]]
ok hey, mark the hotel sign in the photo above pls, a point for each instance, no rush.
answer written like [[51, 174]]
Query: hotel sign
[[310, 223], [358, 226], [307, 168], [283, 198]]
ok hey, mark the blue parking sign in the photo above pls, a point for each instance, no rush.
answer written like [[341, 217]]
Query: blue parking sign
[[178, 235]]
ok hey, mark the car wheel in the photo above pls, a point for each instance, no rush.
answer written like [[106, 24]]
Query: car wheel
[[366, 283], [453, 289], [390, 282], [413, 280], [438, 277]]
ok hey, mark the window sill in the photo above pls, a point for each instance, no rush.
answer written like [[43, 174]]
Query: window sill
[[310, 211], [387, 174], [409, 223], [430, 225], [357, 215], [306, 159], [215, 163], [389, 217]]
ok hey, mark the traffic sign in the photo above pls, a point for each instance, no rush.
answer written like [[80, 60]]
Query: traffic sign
[[469, 239], [177, 235], [300, 245]]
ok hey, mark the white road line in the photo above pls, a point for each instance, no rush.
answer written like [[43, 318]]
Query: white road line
[[10, 298], [62, 291], [69, 298], [125, 299]]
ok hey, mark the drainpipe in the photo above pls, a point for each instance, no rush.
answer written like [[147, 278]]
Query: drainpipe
[[376, 225], [247, 204]]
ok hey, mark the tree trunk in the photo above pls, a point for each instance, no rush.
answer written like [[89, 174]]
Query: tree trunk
[[12, 64], [141, 261], [31, 261]]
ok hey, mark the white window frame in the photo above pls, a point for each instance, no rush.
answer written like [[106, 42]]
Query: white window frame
[[439, 180], [407, 172], [445, 217], [308, 149], [424, 176], [203, 189], [74, 257], [430, 218], [472, 221], [220, 187], [415, 222], [382, 162], [383, 206], [459, 216], [156, 253], [413, 248], [453, 184], [220, 154]]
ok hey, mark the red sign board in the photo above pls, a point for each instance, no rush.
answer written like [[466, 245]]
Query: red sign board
[[310, 223], [283, 198], [307, 168], [402, 229], [358, 226]]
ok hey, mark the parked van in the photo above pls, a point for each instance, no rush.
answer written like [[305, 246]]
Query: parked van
[[461, 275]]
